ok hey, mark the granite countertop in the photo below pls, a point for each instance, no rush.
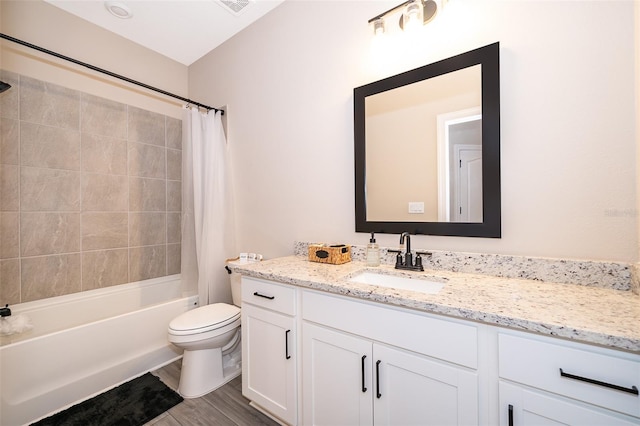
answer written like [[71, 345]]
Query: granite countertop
[[594, 315]]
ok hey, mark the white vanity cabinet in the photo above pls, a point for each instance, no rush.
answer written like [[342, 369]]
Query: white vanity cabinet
[[544, 381], [365, 364], [316, 358], [269, 355]]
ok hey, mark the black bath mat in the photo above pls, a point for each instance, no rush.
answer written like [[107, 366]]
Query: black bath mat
[[131, 404]]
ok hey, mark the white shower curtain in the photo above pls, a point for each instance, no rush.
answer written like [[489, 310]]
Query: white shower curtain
[[207, 206]]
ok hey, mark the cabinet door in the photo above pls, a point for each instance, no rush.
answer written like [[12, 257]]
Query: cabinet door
[[520, 406], [336, 378], [415, 390], [268, 361]]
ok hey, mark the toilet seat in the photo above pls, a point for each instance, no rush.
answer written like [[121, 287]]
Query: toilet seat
[[204, 319]]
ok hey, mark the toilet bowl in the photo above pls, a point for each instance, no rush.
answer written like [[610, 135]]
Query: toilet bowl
[[210, 337]]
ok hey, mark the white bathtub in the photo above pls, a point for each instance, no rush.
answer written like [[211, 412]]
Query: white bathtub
[[85, 343]]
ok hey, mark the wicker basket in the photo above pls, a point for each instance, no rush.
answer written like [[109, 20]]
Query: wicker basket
[[334, 254]]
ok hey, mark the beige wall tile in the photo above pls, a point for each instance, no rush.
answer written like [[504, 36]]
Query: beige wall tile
[[9, 235], [146, 127], [10, 100], [174, 227], [10, 281], [49, 276], [174, 196], [146, 160], [49, 190], [51, 147], [103, 117], [173, 259], [49, 233], [147, 229], [102, 154], [146, 195], [174, 164], [50, 104], [174, 133], [84, 192], [105, 230], [9, 184], [9, 141], [104, 192], [104, 268], [147, 262]]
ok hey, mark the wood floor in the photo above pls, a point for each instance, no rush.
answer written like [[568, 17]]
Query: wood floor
[[224, 406]]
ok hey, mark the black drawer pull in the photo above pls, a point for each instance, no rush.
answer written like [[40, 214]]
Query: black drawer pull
[[262, 295], [510, 415], [286, 344], [364, 388], [633, 390], [378, 394]]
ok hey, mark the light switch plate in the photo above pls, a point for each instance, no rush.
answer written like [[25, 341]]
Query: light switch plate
[[416, 207]]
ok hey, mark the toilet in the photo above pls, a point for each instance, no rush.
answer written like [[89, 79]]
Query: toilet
[[210, 337]]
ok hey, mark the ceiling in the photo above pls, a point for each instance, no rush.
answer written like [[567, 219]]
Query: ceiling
[[183, 30]]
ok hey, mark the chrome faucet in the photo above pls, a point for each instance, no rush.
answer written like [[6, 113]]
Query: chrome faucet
[[407, 262]]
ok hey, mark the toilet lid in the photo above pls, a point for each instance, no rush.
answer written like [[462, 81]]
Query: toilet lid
[[205, 317]]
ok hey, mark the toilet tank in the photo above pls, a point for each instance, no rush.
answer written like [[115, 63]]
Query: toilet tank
[[236, 292]]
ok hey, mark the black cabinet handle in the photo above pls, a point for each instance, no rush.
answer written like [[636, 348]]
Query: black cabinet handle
[[633, 390], [286, 344], [364, 389], [262, 295], [510, 415], [378, 394]]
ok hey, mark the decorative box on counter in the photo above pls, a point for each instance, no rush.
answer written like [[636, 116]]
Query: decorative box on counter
[[335, 254]]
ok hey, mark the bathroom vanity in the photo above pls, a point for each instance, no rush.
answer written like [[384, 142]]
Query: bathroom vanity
[[321, 348]]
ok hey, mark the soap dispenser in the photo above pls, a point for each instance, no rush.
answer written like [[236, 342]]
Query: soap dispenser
[[373, 252]]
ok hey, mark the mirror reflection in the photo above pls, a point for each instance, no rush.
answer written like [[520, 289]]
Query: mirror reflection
[[436, 124], [427, 149]]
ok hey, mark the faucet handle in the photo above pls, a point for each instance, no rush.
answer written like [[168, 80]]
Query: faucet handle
[[419, 255], [398, 256]]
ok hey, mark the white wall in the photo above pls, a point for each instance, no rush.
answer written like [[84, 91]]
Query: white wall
[[568, 120], [49, 27]]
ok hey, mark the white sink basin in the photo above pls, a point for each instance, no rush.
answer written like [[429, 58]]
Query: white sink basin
[[400, 283]]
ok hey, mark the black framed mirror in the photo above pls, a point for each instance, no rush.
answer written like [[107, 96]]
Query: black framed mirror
[[427, 149]]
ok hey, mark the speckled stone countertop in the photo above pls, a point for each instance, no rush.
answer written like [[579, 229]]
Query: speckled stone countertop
[[601, 316]]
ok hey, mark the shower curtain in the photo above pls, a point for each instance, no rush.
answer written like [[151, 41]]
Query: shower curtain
[[207, 206]]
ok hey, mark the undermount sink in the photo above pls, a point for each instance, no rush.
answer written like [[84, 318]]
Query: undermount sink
[[397, 282]]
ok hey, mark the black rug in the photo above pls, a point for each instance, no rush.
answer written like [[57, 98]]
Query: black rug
[[131, 404]]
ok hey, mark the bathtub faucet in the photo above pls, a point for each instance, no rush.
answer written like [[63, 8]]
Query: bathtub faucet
[[5, 312]]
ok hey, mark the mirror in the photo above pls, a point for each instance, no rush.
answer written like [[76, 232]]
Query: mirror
[[427, 149]]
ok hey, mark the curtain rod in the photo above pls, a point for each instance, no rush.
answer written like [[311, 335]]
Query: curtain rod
[[109, 73]]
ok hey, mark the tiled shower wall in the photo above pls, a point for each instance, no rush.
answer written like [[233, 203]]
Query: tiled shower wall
[[90, 192]]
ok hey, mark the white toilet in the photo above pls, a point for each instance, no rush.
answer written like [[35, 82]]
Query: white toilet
[[210, 337]]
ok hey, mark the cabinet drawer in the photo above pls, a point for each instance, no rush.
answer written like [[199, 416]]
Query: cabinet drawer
[[594, 375], [267, 294], [447, 340]]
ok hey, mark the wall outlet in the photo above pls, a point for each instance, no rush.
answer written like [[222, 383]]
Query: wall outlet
[[416, 207]]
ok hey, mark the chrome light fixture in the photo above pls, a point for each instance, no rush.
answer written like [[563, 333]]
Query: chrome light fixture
[[414, 14]]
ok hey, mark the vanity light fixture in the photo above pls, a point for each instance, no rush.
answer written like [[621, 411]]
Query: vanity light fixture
[[414, 14]]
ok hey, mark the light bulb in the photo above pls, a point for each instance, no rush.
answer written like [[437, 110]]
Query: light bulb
[[378, 27], [412, 15]]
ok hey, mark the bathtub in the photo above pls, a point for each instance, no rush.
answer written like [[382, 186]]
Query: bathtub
[[85, 343]]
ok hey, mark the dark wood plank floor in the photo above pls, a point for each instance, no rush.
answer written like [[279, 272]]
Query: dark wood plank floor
[[224, 406]]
